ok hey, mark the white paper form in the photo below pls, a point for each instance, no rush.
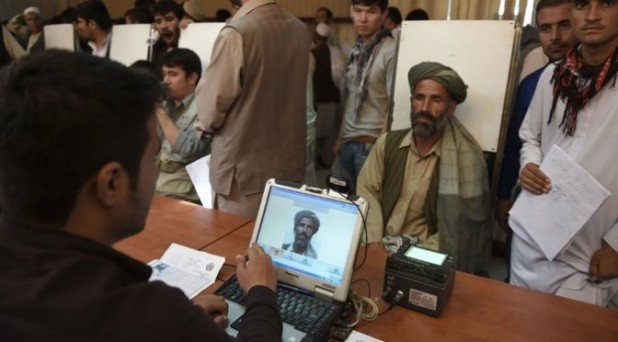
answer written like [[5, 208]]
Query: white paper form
[[554, 218], [199, 173], [188, 269], [356, 336]]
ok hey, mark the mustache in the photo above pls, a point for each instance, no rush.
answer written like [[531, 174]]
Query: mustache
[[425, 115]]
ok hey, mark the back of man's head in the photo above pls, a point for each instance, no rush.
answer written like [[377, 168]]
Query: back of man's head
[[94, 10], [164, 7], [185, 59], [394, 15], [417, 14], [63, 116], [383, 4], [323, 15]]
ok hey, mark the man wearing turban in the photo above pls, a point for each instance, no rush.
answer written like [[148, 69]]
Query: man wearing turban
[[430, 182], [306, 224]]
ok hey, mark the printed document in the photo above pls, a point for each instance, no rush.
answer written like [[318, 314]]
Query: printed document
[[553, 219], [190, 270]]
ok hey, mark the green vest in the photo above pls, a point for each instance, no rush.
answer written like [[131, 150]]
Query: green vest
[[395, 159]]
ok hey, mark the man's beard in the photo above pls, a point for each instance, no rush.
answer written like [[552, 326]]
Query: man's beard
[[425, 130], [301, 242]]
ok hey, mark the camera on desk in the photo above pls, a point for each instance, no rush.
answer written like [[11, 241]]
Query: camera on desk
[[419, 279]]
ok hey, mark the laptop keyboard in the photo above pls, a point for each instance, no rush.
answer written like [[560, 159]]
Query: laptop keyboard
[[307, 314]]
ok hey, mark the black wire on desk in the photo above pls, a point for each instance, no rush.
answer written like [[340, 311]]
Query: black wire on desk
[[364, 229], [393, 302]]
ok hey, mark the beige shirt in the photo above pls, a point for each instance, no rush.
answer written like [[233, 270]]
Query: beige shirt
[[408, 215]]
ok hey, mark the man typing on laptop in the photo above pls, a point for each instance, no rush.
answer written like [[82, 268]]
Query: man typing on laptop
[[59, 278]]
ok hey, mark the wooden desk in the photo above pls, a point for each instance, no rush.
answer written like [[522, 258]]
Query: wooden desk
[[479, 309], [230, 246], [487, 310], [177, 221]]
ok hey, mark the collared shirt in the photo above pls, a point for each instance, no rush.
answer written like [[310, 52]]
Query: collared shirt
[[408, 216], [103, 50], [593, 147], [173, 178], [309, 252], [58, 286], [374, 110]]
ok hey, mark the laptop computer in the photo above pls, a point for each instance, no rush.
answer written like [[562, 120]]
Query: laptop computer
[[319, 277]]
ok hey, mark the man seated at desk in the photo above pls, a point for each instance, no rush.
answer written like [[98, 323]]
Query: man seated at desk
[[430, 182], [80, 179], [181, 143]]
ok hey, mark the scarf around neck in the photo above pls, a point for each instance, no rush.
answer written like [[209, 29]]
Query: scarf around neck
[[363, 56], [577, 83]]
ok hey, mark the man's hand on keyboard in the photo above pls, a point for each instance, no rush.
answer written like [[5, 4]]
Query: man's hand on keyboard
[[215, 306], [255, 268]]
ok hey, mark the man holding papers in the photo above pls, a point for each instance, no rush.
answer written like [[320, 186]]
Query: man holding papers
[[576, 108]]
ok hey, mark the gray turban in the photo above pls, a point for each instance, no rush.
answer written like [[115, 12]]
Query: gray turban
[[310, 215], [441, 74]]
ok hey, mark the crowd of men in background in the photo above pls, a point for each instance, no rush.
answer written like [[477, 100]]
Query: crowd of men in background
[[428, 183]]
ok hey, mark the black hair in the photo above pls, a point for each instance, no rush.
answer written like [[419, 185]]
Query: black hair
[[145, 66], [138, 16], [164, 7], [222, 15], [417, 14], [395, 15], [94, 10], [329, 13], [548, 3], [382, 3], [185, 59], [63, 116]]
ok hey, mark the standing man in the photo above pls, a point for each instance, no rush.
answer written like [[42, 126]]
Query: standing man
[[306, 225], [28, 27], [576, 108], [60, 279], [393, 21], [556, 37], [181, 143], [430, 182], [94, 25], [167, 15], [253, 99], [367, 86]]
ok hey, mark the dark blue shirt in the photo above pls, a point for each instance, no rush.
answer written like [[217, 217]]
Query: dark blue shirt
[[510, 162]]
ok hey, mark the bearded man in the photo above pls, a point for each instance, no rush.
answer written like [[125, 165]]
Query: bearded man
[[306, 224], [430, 182]]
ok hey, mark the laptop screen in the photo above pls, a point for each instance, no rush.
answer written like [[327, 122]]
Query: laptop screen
[[308, 234]]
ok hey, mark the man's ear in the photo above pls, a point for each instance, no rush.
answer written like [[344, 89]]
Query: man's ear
[[92, 24], [111, 183], [451, 108], [193, 79]]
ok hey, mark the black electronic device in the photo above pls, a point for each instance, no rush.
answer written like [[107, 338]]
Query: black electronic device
[[423, 278]]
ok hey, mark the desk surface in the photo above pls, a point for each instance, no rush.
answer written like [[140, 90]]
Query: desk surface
[[479, 309], [489, 310], [181, 222]]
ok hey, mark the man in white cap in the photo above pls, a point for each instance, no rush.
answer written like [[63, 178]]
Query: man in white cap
[[28, 27]]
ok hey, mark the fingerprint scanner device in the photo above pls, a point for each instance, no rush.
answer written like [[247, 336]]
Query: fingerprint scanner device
[[419, 279]]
